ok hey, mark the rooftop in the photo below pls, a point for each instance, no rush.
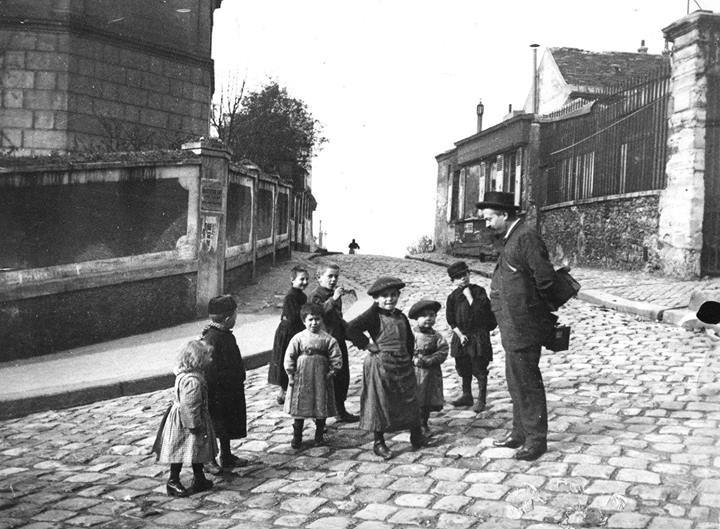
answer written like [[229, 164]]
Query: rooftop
[[605, 69]]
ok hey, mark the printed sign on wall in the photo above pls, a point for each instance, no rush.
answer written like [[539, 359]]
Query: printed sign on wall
[[209, 234]]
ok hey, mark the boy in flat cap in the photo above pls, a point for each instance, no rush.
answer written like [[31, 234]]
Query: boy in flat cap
[[389, 394], [471, 320], [431, 351], [225, 380], [328, 295]]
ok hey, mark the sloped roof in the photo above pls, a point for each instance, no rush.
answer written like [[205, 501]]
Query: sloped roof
[[582, 68]]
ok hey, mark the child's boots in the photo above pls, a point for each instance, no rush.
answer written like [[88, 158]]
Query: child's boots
[[466, 398], [297, 434], [320, 432], [482, 394], [380, 448]]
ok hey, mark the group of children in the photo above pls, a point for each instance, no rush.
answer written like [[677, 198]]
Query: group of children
[[402, 378]]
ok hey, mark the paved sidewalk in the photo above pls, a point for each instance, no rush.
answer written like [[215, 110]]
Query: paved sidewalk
[[647, 295], [144, 362]]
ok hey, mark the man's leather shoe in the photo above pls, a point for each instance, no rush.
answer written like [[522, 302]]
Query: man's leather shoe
[[201, 485], [530, 453], [381, 450], [176, 489], [509, 442], [464, 400], [347, 417]]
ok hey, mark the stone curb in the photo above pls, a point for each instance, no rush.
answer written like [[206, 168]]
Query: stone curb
[[649, 311], [21, 404], [18, 405]]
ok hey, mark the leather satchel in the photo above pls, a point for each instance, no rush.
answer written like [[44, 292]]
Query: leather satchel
[[565, 287]]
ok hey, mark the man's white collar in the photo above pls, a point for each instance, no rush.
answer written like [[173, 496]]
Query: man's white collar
[[511, 228]]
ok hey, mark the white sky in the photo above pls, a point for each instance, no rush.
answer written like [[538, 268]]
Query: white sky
[[396, 82]]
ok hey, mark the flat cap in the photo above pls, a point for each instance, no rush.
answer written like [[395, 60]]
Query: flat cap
[[457, 269], [424, 304], [709, 312], [221, 304], [383, 282]]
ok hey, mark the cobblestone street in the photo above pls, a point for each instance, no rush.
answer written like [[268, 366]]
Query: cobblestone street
[[632, 445]]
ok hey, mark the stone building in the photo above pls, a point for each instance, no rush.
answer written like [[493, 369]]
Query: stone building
[[104, 75], [618, 167]]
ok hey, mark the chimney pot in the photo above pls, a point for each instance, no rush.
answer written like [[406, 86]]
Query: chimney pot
[[480, 110]]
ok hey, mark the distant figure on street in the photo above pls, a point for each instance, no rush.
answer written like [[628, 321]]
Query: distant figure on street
[[389, 394], [312, 359], [470, 318], [290, 324], [328, 295], [521, 283], [431, 351], [226, 380], [353, 246], [186, 435]]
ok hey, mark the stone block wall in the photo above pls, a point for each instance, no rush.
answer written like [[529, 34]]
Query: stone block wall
[[620, 233], [73, 79]]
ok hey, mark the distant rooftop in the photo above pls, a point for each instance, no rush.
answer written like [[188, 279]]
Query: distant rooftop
[[584, 68]]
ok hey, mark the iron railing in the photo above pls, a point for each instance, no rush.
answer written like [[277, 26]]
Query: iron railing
[[612, 144]]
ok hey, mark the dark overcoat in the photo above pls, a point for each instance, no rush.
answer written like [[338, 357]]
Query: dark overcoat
[[290, 325], [476, 321], [521, 281], [226, 384]]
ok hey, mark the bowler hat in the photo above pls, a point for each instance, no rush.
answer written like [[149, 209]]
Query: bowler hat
[[384, 282], [457, 269], [709, 312], [221, 304], [424, 304], [498, 200]]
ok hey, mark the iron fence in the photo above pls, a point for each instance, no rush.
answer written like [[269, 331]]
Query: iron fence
[[614, 143]]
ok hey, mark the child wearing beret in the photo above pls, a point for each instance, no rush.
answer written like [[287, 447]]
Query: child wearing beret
[[225, 380], [431, 350], [389, 395], [469, 316]]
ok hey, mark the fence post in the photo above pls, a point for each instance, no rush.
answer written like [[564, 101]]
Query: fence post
[[211, 207], [682, 202]]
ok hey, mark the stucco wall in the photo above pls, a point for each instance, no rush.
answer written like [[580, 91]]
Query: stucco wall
[[47, 324], [620, 233]]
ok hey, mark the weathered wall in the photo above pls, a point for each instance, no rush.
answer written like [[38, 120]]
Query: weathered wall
[[619, 233], [444, 232], [99, 74], [47, 324]]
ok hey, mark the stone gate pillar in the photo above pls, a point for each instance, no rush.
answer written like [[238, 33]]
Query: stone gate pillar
[[682, 202], [212, 208]]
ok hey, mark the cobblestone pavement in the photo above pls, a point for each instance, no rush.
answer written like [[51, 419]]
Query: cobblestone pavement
[[631, 445], [635, 286]]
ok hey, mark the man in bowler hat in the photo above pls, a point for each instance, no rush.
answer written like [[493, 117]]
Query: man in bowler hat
[[522, 280]]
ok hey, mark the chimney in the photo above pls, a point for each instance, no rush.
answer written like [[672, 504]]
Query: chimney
[[642, 48], [535, 87], [480, 111]]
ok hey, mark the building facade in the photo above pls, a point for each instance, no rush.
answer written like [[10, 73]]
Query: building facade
[[624, 174], [80, 75]]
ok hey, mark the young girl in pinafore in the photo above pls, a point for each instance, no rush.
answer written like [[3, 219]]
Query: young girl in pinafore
[[311, 361], [388, 401], [186, 435]]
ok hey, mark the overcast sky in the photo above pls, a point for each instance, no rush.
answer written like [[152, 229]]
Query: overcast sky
[[395, 83]]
